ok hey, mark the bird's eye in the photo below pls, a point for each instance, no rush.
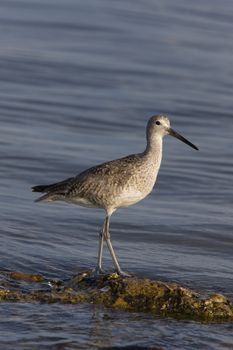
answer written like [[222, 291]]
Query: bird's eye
[[158, 123]]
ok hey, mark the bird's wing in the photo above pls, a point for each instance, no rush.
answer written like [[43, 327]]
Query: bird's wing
[[103, 176]]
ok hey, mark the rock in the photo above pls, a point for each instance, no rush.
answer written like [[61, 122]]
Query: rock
[[26, 277], [131, 294]]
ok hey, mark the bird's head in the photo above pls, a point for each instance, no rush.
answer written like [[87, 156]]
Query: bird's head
[[160, 125]]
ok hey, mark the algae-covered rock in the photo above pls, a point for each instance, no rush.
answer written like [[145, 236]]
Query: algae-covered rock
[[131, 294], [26, 276], [166, 299]]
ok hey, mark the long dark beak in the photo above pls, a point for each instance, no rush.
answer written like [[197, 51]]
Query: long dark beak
[[178, 136]]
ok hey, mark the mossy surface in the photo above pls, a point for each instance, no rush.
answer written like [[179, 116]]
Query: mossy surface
[[26, 276], [131, 294]]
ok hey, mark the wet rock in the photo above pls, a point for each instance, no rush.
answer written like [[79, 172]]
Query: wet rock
[[131, 294], [26, 277]]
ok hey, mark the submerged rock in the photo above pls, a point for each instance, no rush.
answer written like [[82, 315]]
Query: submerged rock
[[26, 277], [131, 294]]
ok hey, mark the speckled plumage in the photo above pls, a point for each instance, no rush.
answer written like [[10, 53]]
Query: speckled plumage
[[111, 185], [115, 184]]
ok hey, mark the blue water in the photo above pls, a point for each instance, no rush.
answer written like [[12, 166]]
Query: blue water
[[79, 80]]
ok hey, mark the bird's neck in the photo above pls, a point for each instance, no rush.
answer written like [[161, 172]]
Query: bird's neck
[[154, 148]]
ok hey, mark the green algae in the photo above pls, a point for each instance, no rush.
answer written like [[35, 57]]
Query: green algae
[[26, 276], [130, 294]]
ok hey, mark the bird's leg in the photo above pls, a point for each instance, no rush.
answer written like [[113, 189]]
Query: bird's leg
[[110, 247], [98, 270]]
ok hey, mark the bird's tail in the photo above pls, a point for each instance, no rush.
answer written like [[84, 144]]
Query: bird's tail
[[41, 188], [49, 197], [54, 191]]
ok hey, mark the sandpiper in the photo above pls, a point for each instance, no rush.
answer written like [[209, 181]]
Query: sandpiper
[[115, 184]]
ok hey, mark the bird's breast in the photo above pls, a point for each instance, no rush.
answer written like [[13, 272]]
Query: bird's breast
[[136, 188]]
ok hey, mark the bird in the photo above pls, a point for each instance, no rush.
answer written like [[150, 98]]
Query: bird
[[115, 184]]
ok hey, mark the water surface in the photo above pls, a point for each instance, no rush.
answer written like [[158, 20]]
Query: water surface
[[79, 80]]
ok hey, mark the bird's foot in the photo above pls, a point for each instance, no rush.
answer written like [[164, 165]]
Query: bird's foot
[[123, 273], [97, 272]]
